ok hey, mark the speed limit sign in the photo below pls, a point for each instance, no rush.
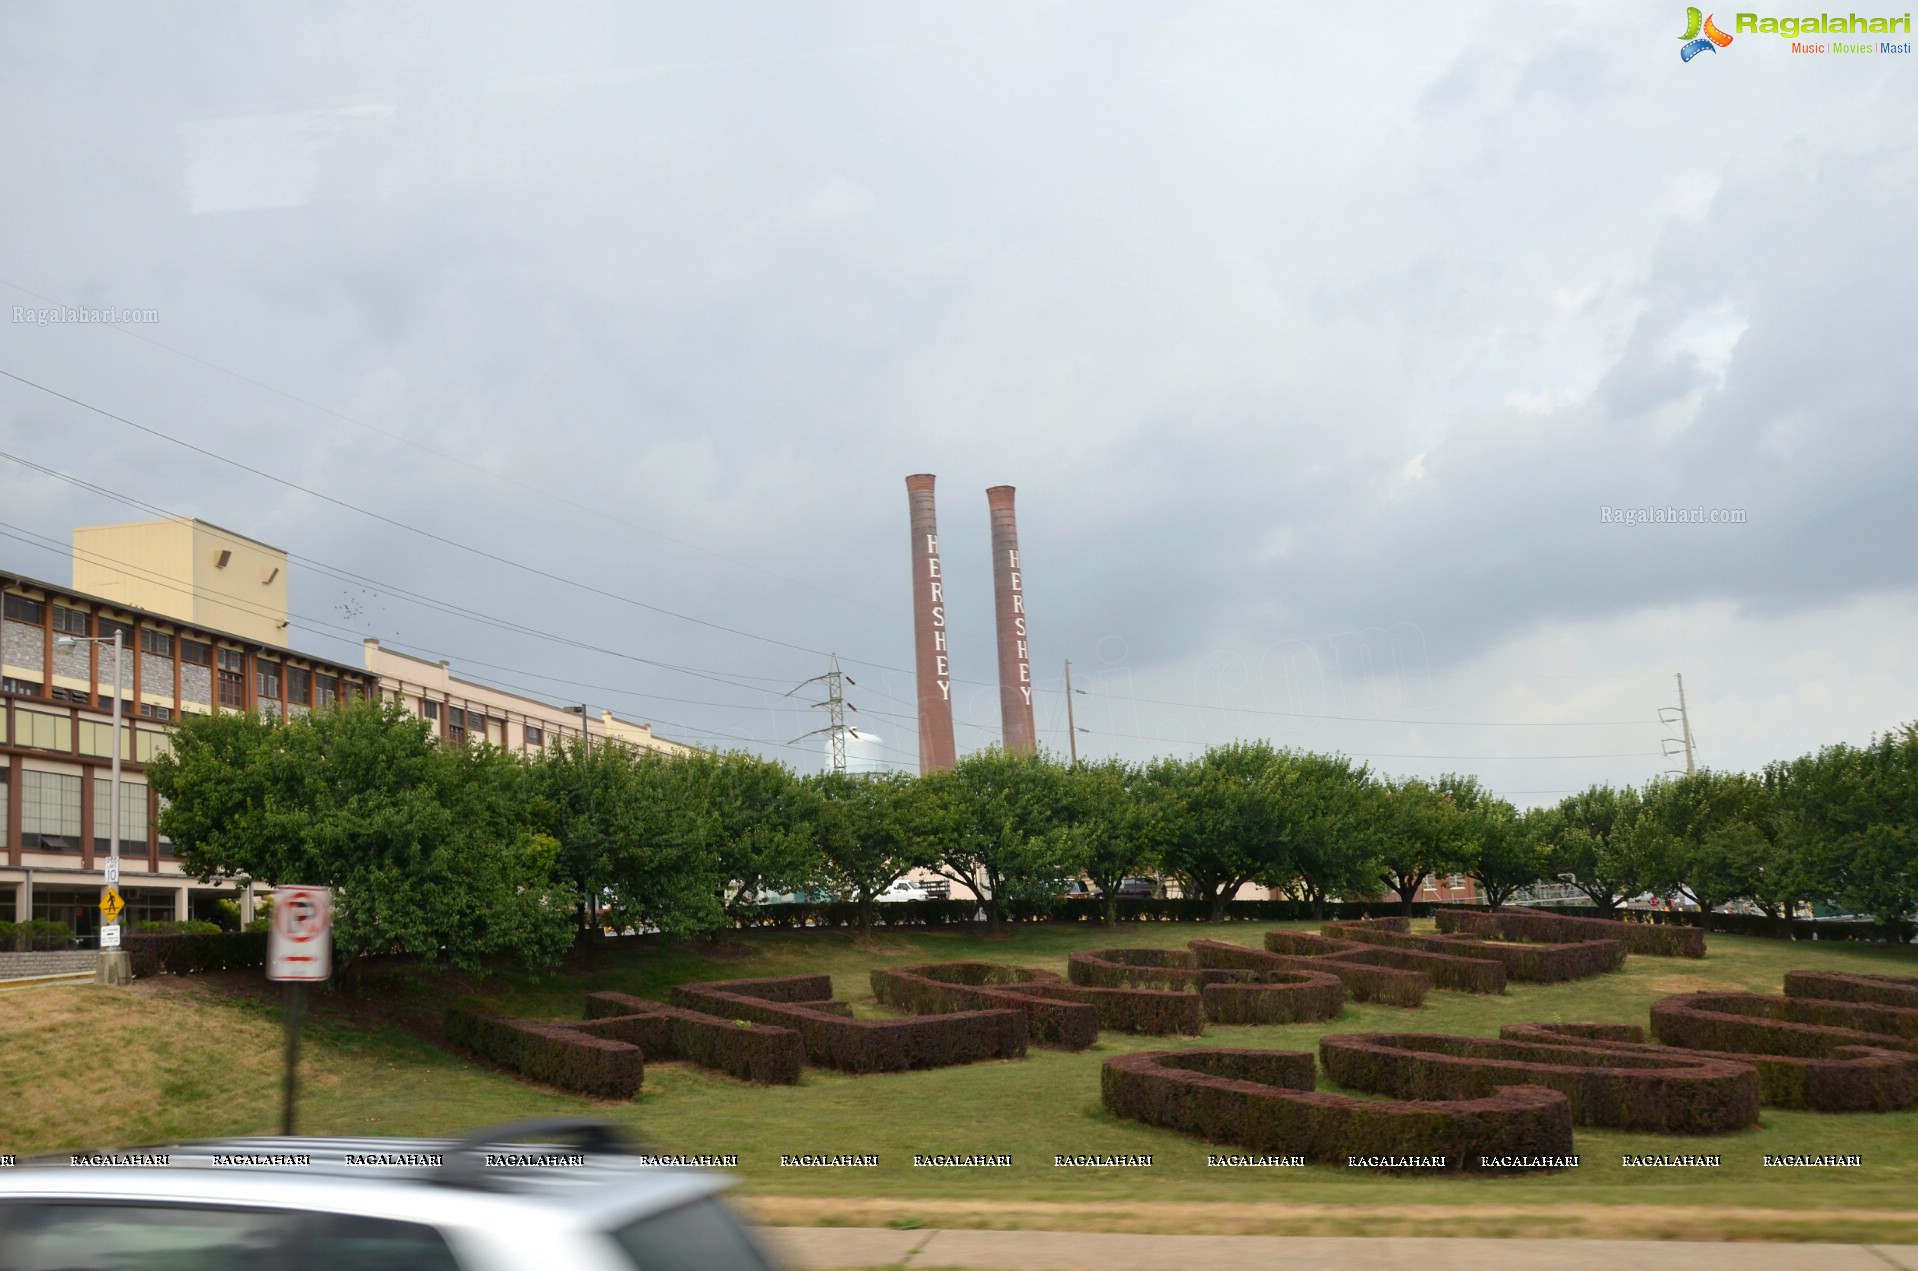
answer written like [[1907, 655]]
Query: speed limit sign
[[300, 943]]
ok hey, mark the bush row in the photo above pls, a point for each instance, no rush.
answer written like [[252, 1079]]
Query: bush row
[[1156, 1012], [557, 1054], [1546, 963], [34, 935], [1283, 997], [1750, 1024], [834, 1040], [1263, 1100], [944, 988], [186, 954], [750, 1052], [1821, 929], [1144, 968], [1382, 946], [1652, 939], [1363, 983], [1853, 1079], [1614, 1087], [1833, 986]]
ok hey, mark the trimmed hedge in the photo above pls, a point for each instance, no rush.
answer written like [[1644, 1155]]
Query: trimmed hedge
[[940, 988], [1834, 986], [1157, 1012], [833, 1040], [36, 935], [1411, 953], [1652, 940], [1363, 983], [750, 1052], [1540, 963], [1610, 1086], [1285, 997], [186, 954], [1263, 1100], [1303, 944], [557, 1054], [1853, 1079], [1144, 968], [1750, 1024]]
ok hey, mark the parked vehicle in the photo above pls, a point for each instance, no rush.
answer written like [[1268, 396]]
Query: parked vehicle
[[900, 890], [1079, 889], [505, 1199], [1137, 889]]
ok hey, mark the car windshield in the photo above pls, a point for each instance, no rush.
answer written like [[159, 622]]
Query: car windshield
[[701, 1236]]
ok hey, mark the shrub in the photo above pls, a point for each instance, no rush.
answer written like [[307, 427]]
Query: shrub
[[1284, 997], [1263, 1100], [1852, 1079], [1832, 986], [35, 934], [1157, 1012], [1539, 963], [1615, 1087], [187, 954], [1749, 1023], [1303, 944], [1652, 940], [939, 988], [750, 1052], [557, 1054], [833, 1040], [190, 927], [1363, 983], [1143, 968], [1410, 953]]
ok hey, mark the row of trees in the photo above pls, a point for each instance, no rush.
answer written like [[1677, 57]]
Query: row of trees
[[467, 852]]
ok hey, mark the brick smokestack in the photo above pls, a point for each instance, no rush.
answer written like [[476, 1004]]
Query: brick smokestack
[[1009, 598], [933, 662]]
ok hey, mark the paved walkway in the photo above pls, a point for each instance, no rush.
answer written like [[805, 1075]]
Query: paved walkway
[[830, 1247]]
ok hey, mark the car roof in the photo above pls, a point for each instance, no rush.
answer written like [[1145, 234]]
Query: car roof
[[438, 1180]]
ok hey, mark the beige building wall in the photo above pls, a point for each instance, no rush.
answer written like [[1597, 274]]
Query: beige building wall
[[461, 710], [187, 569]]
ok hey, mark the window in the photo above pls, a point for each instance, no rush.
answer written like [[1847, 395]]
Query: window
[[43, 731], [158, 643], [20, 609], [535, 736], [299, 685], [689, 1238], [429, 710], [77, 696], [3, 799], [150, 745], [328, 687], [267, 678], [232, 678], [107, 628], [67, 621], [29, 687], [96, 739], [456, 725], [50, 811], [87, 1236], [150, 711], [193, 653], [133, 816]]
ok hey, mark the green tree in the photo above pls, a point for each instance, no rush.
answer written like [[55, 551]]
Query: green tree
[[1338, 816], [1123, 821], [1720, 834], [430, 851], [1601, 844], [1509, 852], [996, 818], [1852, 813], [1422, 833], [1224, 829], [860, 826], [754, 822]]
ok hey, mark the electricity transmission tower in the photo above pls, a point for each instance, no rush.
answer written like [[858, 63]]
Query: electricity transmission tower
[[836, 707], [1680, 716]]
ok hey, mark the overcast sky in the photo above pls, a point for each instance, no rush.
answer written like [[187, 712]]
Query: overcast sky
[[1316, 340]]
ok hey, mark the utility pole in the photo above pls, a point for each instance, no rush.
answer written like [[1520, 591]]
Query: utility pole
[[1072, 728], [836, 708], [1682, 717]]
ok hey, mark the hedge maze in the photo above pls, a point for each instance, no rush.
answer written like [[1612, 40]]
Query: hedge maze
[[1652, 940], [1363, 982], [1264, 1100], [938, 988], [555, 1053], [750, 1052]]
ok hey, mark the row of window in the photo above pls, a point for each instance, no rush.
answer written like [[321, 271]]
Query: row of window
[[50, 811], [463, 723], [44, 730]]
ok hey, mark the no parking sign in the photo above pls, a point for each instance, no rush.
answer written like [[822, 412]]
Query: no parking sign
[[300, 945]]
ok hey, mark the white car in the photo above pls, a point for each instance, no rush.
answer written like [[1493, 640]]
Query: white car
[[902, 889], [500, 1200]]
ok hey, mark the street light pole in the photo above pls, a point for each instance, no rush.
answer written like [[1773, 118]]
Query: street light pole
[[113, 966]]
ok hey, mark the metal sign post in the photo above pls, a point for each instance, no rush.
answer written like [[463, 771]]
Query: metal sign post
[[299, 950]]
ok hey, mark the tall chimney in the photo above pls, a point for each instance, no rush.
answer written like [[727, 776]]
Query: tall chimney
[[933, 663], [1009, 598]]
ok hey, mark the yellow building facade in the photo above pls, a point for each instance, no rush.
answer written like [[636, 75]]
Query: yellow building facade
[[189, 570]]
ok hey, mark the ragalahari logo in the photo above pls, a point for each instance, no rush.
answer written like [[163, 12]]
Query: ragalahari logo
[[1710, 41]]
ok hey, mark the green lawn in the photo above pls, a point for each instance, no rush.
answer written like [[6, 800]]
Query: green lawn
[[371, 1075]]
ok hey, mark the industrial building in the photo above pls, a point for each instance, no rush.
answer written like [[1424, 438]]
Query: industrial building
[[202, 619]]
